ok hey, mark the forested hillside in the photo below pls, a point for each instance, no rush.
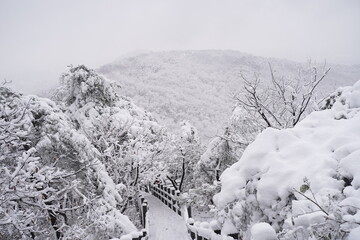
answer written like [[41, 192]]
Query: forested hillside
[[200, 85]]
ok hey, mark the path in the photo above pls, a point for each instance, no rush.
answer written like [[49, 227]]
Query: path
[[164, 224]]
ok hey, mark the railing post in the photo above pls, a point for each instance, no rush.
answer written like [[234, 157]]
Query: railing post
[[191, 232], [215, 226], [134, 235], [165, 195], [234, 235], [144, 207], [144, 232], [162, 193], [177, 192], [189, 211]]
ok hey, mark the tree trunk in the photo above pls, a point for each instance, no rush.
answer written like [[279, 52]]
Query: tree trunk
[[173, 183], [183, 173]]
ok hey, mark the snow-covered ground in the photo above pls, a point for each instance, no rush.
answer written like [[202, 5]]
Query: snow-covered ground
[[163, 223]]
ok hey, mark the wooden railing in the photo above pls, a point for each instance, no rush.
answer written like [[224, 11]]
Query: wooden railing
[[142, 207], [170, 197], [197, 230]]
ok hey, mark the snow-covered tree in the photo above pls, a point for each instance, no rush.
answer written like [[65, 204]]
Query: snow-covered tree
[[186, 153], [54, 175], [222, 151], [32, 193], [127, 138], [280, 102]]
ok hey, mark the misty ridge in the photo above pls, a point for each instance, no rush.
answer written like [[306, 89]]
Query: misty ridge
[[200, 86]]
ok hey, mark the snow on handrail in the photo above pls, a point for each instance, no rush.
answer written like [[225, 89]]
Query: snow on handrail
[[206, 231]]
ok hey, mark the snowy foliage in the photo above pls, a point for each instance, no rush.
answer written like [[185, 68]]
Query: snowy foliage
[[125, 137], [69, 169], [303, 181], [37, 196]]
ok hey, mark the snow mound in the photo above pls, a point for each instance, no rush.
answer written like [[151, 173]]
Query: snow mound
[[262, 231], [307, 177]]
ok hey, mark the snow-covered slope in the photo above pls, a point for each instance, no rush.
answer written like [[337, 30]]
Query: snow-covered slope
[[199, 85], [303, 181]]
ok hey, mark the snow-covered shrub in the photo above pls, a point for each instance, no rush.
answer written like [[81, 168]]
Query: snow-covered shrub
[[303, 181]]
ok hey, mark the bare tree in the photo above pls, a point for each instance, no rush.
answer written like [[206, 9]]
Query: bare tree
[[281, 102]]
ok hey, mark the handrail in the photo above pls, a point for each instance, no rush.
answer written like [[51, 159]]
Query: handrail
[[170, 197]]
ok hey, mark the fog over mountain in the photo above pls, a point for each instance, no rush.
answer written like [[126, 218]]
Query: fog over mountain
[[199, 85]]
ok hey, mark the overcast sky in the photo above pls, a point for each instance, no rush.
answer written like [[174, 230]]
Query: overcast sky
[[39, 38]]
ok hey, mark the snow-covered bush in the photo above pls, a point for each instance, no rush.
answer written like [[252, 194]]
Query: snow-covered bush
[[303, 181]]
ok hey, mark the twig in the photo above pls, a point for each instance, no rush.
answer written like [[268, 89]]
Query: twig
[[327, 214]]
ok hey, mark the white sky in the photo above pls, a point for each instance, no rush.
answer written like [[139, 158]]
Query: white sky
[[39, 38]]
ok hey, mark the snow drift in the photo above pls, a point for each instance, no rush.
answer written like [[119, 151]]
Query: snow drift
[[303, 181]]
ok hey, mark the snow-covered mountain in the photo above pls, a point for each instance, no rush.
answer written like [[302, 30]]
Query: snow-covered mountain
[[199, 85]]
